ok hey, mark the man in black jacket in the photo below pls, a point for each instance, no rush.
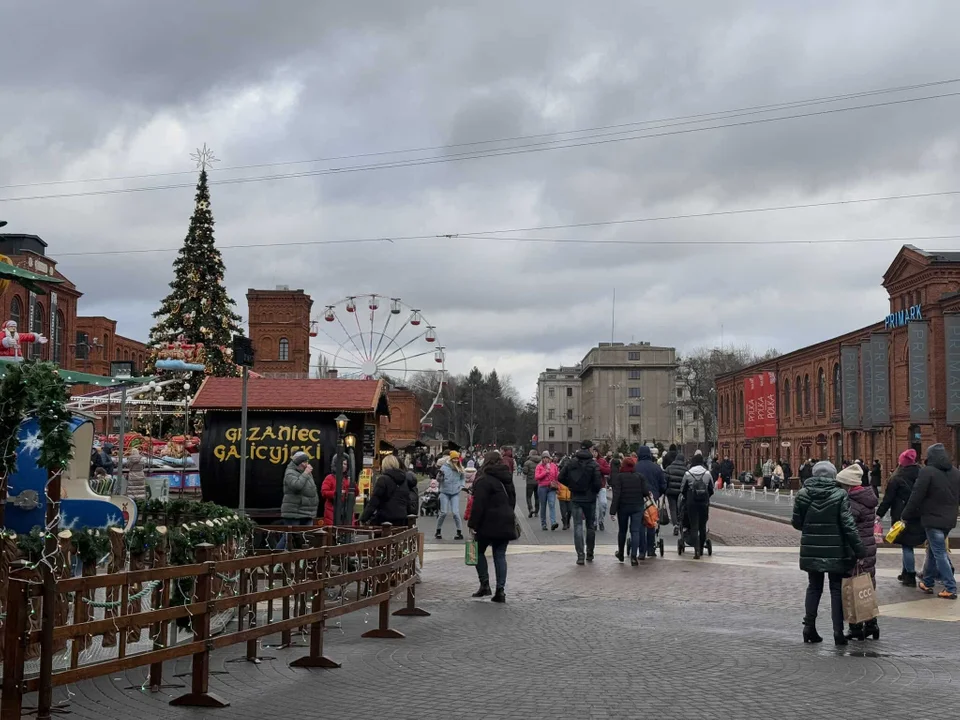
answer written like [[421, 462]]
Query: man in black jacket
[[675, 473], [934, 502], [582, 476], [726, 471]]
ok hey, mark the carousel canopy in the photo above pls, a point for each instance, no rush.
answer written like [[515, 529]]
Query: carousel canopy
[[71, 377], [28, 279]]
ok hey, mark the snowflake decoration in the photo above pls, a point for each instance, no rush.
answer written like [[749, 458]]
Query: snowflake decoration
[[32, 443], [204, 157]]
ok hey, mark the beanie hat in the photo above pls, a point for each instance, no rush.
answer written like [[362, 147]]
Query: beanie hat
[[299, 458], [628, 464], [908, 457], [454, 455], [850, 476], [586, 444]]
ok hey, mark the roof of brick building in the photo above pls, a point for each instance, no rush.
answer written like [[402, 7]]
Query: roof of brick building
[[298, 395]]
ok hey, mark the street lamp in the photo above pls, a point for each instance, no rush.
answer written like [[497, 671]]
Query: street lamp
[[338, 499]]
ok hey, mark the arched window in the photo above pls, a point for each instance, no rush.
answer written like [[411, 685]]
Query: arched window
[[837, 388], [16, 311], [821, 392], [58, 338], [118, 354], [806, 394], [786, 398], [35, 350], [798, 405], [284, 353]]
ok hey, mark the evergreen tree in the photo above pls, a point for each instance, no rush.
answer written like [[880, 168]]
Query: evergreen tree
[[198, 307]]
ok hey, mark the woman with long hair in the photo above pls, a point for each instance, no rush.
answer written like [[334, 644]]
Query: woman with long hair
[[493, 521], [452, 480]]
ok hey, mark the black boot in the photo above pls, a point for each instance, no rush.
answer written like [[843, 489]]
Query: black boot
[[871, 628], [458, 536], [856, 632], [810, 634], [439, 535], [634, 562], [839, 639], [500, 596], [618, 555], [483, 591], [908, 579]]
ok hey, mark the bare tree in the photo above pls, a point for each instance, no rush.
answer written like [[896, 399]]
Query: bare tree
[[699, 370]]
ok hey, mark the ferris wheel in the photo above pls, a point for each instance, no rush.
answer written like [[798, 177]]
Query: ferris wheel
[[377, 337]]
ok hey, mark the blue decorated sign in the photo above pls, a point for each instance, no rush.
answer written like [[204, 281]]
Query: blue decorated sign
[[902, 317]]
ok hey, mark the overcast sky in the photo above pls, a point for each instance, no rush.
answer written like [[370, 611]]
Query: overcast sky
[[110, 88]]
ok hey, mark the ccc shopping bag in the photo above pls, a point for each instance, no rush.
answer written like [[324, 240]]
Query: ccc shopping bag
[[859, 599], [470, 552]]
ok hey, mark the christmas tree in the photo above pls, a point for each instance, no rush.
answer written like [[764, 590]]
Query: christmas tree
[[198, 309]]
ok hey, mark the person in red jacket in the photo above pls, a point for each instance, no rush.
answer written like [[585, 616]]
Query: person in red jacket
[[328, 492], [507, 457]]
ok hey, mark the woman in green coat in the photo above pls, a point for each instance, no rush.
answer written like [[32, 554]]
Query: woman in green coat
[[829, 545]]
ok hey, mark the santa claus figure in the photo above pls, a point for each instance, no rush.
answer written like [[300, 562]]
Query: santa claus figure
[[11, 340]]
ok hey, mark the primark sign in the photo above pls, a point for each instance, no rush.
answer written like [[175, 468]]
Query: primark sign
[[902, 317]]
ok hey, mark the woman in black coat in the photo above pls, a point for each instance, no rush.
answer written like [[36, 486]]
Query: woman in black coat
[[493, 522], [629, 494], [895, 500]]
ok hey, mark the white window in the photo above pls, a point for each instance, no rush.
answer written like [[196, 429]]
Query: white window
[[284, 349], [550, 414], [551, 392], [550, 432]]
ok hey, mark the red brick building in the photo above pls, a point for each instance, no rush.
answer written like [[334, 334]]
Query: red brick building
[[870, 393], [86, 344], [279, 322]]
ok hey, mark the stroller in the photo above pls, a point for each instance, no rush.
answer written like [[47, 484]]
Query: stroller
[[684, 540], [430, 500], [663, 518]]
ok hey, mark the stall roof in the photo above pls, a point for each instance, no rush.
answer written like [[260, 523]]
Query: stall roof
[[72, 377], [327, 395]]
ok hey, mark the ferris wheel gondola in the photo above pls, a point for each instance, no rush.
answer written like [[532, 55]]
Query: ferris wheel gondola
[[378, 337]]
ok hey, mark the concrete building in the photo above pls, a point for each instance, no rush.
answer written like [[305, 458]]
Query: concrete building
[[629, 393], [870, 393], [558, 422], [280, 332], [689, 428]]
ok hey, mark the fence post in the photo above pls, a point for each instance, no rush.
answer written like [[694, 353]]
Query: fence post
[[411, 610], [200, 695], [316, 658], [14, 646], [383, 587]]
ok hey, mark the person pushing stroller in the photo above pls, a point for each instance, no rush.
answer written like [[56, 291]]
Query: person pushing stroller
[[694, 504]]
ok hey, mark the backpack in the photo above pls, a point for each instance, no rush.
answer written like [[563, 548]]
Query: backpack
[[699, 491]]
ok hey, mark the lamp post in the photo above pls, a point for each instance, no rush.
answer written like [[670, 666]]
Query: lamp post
[[338, 499], [350, 441]]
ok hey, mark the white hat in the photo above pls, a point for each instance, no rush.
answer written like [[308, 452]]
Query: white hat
[[851, 476]]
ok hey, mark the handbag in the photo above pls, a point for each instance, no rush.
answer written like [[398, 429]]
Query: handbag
[[898, 527], [859, 598], [651, 516], [517, 531], [470, 552], [877, 531], [662, 512]]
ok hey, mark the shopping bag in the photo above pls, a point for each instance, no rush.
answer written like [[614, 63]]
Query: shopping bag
[[650, 515], [877, 531], [470, 553], [859, 599], [664, 516], [895, 531]]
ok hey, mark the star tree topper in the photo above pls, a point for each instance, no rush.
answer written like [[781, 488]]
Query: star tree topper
[[204, 157]]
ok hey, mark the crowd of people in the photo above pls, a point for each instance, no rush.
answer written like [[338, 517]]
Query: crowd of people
[[837, 512]]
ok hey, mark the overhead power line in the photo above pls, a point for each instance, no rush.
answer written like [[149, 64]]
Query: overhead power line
[[757, 243], [598, 223], [680, 119], [516, 150]]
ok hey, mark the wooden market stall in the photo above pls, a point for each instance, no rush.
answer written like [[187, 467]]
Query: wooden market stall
[[285, 416]]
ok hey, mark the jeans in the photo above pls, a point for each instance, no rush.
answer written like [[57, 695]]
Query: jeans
[[909, 560], [651, 534], [282, 545], [499, 562], [937, 562], [566, 511], [697, 521], [672, 506], [533, 500], [451, 504], [584, 514], [547, 498], [601, 506], [815, 592], [638, 536]]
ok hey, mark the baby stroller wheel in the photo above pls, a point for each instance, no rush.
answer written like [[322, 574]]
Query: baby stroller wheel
[[680, 546], [660, 544]]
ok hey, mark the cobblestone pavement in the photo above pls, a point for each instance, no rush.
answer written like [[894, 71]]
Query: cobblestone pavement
[[733, 528], [675, 638]]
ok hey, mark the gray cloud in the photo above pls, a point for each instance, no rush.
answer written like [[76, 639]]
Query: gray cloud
[[105, 89]]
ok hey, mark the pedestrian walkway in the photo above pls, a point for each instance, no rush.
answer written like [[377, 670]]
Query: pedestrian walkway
[[718, 637]]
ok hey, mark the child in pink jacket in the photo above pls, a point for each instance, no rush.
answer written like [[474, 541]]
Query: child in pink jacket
[[546, 476]]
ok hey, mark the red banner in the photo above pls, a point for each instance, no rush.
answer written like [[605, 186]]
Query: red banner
[[760, 401], [771, 405]]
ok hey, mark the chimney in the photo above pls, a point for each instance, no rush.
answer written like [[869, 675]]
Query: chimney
[[332, 374]]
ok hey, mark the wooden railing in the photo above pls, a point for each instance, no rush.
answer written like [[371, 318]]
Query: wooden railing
[[274, 592]]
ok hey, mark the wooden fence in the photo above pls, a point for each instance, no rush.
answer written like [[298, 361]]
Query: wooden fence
[[278, 592]]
